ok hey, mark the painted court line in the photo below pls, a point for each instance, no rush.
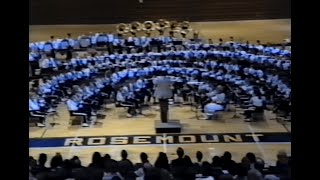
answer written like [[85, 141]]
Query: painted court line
[[144, 145]]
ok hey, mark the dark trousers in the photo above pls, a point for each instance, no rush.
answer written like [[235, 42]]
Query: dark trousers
[[35, 113], [248, 113], [34, 65], [164, 108]]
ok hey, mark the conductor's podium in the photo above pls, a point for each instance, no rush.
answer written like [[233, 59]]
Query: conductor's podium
[[172, 126]]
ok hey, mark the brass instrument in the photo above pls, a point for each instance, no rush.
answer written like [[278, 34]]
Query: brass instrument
[[174, 26], [185, 25], [162, 24], [135, 27], [122, 28], [148, 26]]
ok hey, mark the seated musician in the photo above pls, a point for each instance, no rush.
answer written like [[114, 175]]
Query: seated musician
[[211, 108], [256, 104], [127, 98], [36, 110], [78, 108]]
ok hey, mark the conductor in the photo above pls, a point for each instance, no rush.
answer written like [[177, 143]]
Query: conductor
[[163, 92]]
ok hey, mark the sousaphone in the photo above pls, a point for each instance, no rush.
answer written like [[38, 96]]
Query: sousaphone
[[174, 26], [122, 28], [148, 26], [162, 24], [135, 27]]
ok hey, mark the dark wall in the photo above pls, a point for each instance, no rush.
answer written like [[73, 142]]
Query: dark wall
[[115, 11]]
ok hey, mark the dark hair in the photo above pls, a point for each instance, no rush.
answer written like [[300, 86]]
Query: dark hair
[[96, 158], [144, 157], [56, 161], [227, 156], [42, 159], [199, 156], [124, 154], [216, 161], [162, 161], [107, 157], [252, 157], [180, 152]]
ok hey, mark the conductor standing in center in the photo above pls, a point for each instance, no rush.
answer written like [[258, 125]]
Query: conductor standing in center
[[163, 92]]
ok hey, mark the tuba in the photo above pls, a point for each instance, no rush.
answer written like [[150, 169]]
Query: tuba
[[184, 28], [122, 28], [185, 25], [162, 24], [135, 27], [148, 26]]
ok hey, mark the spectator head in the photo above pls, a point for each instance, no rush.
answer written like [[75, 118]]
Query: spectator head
[[124, 154], [32, 161], [251, 156], [245, 162], [56, 161], [227, 156], [76, 161], [107, 157], [42, 159], [180, 152], [216, 161], [96, 158], [199, 156], [282, 157], [144, 157], [162, 161]]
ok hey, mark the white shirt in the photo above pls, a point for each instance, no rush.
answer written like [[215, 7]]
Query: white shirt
[[219, 97], [72, 106], [33, 106], [256, 101], [212, 107], [120, 97]]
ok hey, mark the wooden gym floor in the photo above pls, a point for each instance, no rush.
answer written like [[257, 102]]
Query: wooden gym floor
[[116, 124]]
